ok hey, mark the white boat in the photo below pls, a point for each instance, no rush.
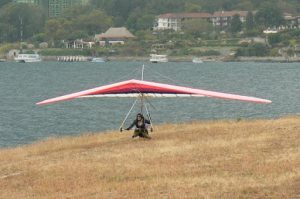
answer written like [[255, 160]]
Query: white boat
[[97, 59], [158, 58], [197, 60], [24, 58]]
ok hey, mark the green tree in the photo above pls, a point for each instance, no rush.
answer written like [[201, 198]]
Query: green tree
[[259, 49], [235, 24], [119, 9], [249, 21], [274, 39], [290, 52], [138, 20], [4, 2], [5, 32], [77, 23], [87, 22], [269, 15], [16, 17], [145, 22], [192, 7], [256, 49], [57, 29], [163, 6]]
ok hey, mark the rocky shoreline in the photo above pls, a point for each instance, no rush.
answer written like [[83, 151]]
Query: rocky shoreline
[[267, 59]]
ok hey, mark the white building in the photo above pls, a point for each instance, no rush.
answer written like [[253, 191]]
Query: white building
[[173, 21], [291, 20], [27, 1]]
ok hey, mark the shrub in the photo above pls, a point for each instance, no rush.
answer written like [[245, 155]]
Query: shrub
[[274, 52], [210, 53], [274, 39], [256, 49], [5, 48]]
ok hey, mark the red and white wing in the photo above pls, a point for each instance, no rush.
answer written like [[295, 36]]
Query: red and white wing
[[133, 88]]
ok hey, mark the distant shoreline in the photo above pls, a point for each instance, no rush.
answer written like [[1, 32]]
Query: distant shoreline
[[268, 59], [189, 59]]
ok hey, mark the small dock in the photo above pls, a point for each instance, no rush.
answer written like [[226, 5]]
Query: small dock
[[72, 59]]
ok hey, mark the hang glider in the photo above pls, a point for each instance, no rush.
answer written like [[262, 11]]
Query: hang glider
[[136, 88], [143, 90]]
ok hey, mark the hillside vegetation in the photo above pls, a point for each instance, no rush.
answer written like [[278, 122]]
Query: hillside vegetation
[[137, 15], [217, 159]]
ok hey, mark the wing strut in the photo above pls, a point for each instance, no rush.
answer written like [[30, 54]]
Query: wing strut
[[149, 117], [143, 104], [121, 127]]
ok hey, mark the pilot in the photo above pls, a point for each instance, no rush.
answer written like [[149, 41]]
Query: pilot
[[141, 125]]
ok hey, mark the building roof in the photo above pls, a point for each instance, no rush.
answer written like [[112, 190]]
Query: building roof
[[120, 32], [230, 13], [203, 14], [185, 15], [289, 16]]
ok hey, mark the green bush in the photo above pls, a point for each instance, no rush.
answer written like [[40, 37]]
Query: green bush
[[39, 38], [274, 39], [5, 48], [256, 49], [28, 51], [132, 51], [181, 51], [222, 42], [210, 53], [274, 52], [100, 51]]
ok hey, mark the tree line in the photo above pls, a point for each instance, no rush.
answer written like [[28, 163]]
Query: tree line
[[86, 21]]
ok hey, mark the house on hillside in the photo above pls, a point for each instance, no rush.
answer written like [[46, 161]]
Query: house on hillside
[[291, 21], [114, 36], [219, 19], [173, 21], [222, 19]]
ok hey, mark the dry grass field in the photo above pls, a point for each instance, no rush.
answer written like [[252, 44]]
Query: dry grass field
[[213, 159]]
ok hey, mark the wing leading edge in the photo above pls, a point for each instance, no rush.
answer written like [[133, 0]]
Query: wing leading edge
[[133, 87]]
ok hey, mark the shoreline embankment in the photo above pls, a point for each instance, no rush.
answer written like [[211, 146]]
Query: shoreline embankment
[[190, 58]]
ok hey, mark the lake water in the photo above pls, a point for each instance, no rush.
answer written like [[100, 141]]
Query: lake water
[[22, 85]]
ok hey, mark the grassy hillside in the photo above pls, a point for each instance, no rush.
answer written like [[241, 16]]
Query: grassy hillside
[[217, 159]]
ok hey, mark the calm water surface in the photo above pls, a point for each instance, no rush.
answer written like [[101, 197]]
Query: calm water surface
[[22, 85]]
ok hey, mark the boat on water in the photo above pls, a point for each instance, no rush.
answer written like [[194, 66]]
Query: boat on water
[[197, 60], [155, 58], [2, 60], [24, 58], [97, 59]]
